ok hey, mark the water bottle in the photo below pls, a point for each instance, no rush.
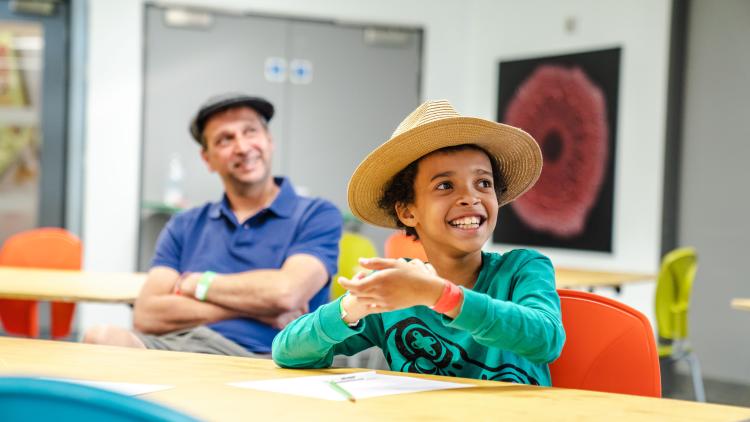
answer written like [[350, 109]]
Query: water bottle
[[173, 195]]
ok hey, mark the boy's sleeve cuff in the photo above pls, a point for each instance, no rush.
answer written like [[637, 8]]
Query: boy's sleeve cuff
[[333, 327], [473, 312]]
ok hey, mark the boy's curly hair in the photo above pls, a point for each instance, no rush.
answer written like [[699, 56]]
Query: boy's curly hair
[[400, 189]]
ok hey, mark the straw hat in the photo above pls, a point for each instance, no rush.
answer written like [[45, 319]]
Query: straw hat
[[434, 125]]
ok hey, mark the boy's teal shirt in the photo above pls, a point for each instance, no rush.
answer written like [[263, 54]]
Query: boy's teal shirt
[[509, 328]]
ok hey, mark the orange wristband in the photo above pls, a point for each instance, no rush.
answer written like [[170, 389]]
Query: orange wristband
[[449, 299]]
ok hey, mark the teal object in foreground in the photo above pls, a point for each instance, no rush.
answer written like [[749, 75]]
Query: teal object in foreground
[[31, 399]]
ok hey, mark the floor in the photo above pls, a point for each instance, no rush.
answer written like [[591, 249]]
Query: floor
[[678, 385]]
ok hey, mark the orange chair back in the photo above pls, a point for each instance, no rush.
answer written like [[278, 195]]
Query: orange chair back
[[47, 247], [609, 347], [399, 245]]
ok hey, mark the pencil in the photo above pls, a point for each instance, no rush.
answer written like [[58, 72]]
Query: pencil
[[341, 390]]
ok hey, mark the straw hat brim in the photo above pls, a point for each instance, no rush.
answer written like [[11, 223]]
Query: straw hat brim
[[516, 151]]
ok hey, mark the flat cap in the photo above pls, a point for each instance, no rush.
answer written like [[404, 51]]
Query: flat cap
[[226, 101]]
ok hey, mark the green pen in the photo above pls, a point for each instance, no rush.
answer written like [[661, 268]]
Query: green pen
[[341, 390], [336, 382]]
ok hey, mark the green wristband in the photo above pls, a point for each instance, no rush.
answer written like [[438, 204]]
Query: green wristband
[[201, 289]]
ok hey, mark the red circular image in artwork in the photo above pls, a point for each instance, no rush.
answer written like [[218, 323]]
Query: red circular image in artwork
[[567, 115]]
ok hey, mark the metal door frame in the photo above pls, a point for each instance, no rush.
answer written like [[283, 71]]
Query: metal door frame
[[53, 121]]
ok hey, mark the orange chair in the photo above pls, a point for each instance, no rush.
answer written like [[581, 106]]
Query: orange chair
[[399, 245], [47, 247], [609, 347]]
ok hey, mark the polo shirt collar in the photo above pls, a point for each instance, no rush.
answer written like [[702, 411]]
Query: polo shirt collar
[[286, 200], [283, 205], [219, 208]]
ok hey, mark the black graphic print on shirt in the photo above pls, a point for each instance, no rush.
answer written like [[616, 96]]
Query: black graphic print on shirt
[[428, 353]]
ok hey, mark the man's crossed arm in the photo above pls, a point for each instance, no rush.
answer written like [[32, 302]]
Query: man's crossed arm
[[274, 297]]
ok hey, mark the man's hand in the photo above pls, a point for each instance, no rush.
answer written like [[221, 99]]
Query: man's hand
[[396, 284], [265, 292], [186, 284], [159, 310]]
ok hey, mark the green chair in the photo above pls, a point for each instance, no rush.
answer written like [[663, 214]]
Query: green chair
[[351, 247], [32, 399], [673, 290]]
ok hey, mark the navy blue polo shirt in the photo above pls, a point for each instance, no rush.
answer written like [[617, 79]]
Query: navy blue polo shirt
[[209, 238]]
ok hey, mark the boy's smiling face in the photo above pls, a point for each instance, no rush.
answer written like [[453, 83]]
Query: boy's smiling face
[[455, 205]]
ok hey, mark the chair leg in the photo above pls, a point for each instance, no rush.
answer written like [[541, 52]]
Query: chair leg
[[695, 370]]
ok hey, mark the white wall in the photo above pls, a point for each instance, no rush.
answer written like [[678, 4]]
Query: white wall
[[112, 147], [714, 203], [641, 28], [463, 42], [503, 30]]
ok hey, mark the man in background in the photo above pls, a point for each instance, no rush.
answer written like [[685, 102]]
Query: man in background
[[227, 276]]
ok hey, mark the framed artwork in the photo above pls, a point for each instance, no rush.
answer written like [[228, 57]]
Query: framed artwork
[[568, 103]]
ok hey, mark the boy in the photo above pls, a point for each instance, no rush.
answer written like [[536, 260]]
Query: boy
[[442, 178]]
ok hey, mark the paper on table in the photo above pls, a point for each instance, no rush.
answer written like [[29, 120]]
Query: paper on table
[[374, 385], [127, 388]]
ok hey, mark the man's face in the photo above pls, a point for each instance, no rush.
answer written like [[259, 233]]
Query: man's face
[[455, 206], [238, 147]]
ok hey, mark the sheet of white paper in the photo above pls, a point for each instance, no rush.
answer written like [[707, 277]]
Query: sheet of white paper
[[127, 388], [374, 386]]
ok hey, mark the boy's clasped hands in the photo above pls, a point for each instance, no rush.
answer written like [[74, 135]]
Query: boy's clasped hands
[[390, 285]]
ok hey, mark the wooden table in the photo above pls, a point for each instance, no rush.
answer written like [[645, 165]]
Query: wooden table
[[86, 286], [569, 278], [69, 286], [201, 390], [742, 304]]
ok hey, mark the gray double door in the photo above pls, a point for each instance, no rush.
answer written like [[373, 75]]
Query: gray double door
[[339, 91]]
